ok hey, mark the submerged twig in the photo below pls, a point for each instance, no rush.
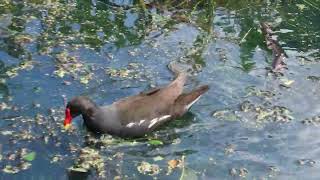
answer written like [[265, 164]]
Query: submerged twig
[[244, 37]]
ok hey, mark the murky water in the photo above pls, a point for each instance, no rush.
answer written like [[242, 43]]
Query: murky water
[[251, 124]]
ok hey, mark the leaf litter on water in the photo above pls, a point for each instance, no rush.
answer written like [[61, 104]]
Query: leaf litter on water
[[148, 169], [89, 158]]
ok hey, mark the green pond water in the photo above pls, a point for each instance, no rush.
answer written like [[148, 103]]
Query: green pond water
[[251, 124]]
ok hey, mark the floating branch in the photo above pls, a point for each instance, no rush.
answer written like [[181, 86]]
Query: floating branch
[[272, 43]]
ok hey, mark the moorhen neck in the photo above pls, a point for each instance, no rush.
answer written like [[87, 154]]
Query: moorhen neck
[[137, 115]]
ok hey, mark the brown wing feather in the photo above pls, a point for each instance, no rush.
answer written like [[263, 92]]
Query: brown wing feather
[[148, 106], [187, 99], [150, 92]]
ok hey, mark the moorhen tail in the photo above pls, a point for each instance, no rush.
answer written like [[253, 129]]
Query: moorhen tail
[[137, 115]]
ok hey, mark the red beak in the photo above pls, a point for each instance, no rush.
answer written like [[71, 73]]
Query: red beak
[[68, 117]]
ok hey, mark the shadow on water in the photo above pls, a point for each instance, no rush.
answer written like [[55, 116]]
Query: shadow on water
[[251, 124], [77, 176]]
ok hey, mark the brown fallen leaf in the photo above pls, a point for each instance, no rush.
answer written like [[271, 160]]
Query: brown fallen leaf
[[172, 164]]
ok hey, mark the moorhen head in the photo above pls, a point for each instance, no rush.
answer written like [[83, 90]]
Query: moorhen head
[[77, 106]]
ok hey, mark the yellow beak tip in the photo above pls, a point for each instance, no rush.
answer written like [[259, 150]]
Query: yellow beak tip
[[66, 127]]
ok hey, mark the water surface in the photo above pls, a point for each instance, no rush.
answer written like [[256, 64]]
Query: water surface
[[252, 124]]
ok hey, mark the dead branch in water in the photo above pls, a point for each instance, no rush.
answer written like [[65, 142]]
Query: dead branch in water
[[272, 43]]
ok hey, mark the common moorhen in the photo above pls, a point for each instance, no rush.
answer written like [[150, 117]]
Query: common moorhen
[[137, 115]]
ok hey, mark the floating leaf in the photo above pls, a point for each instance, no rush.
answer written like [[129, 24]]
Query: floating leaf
[[225, 114], [230, 149], [147, 168], [303, 162], [158, 158], [12, 72], [68, 83], [155, 142], [78, 169], [22, 39], [11, 157], [24, 165], [285, 31], [131, 72], [6, 133], [89, 158], [243, 172], [286, 82], [4, 106], [10, 169], [173, 163], [85, 79], [30, 156], [56, 158], [60, 73], [301, 7], [233, 172]]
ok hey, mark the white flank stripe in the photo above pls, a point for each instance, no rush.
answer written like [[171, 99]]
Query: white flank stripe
[[164, 117], [189, 105], [155, 120], [142, 121], [130, 124]]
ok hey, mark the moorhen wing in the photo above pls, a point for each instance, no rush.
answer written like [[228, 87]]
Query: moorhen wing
[[137, 115]]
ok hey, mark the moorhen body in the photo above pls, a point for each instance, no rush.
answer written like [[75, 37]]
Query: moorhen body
[[137, 115]]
